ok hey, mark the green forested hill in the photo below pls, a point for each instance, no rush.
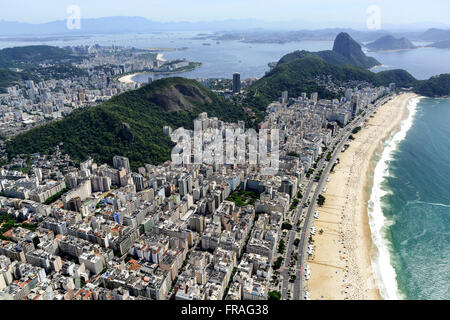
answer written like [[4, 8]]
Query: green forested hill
[[346, 51], [296, 71], [30, 55], [434, 87], [9, 78], [28, 59], [328, 56], [298, 74], [346, 46], [389, 42], [130, 124]]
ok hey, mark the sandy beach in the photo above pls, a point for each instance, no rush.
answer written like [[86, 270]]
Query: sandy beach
[[159, 57], [128, 78], [341, 266]]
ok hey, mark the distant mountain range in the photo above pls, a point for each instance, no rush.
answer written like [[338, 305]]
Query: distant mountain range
[[390, 43], [124, 24], [435, 35], [285, 36], [120, 25]]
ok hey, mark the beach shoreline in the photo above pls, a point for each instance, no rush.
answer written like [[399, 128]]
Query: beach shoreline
[[342, 264], [129, 78]]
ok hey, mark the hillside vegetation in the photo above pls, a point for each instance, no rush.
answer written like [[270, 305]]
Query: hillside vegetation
[[130, 124], [28, 59], [351, 50], [31, 55], [9, 78], [297, 76], [437, 86], [297, 72]]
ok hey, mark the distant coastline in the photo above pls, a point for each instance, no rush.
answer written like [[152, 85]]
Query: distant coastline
[[129, 78]]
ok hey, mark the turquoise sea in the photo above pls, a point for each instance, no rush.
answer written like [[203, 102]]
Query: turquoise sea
[[410, 206]]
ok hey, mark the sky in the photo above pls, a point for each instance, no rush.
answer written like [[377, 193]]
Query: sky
[[326, 13]]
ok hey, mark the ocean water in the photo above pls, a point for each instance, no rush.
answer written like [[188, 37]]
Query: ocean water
[[409, 207], [221, 60], [422, 63]]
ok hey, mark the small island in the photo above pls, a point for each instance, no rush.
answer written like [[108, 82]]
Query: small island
[[440, 45], [390, 43]]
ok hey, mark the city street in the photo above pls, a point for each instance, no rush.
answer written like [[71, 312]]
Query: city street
[[341, 139]]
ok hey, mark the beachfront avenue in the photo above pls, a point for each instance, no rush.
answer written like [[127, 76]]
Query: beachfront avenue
[[304, 219], [338, 142]]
